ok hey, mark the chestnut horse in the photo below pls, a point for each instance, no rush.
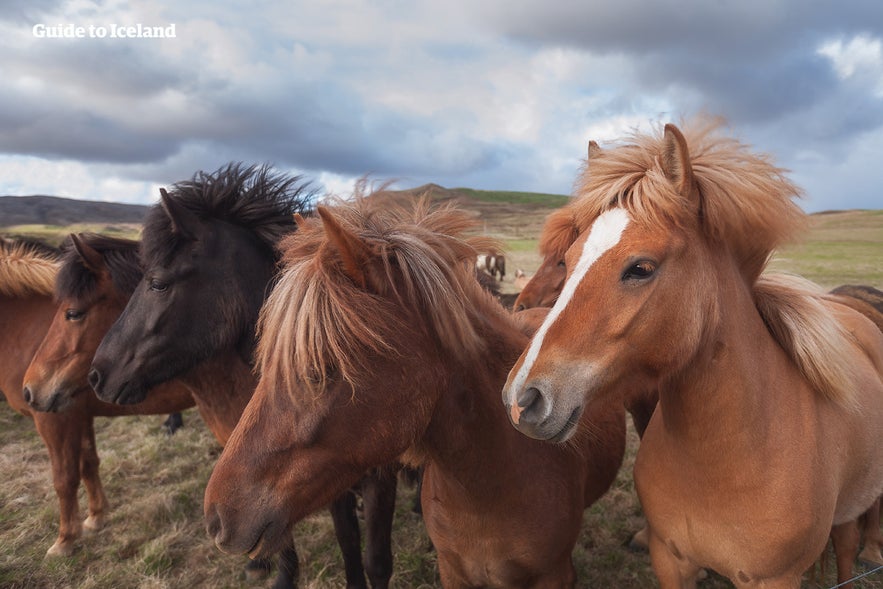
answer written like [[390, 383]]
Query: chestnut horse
[[561, 230], [766, 437], [27, 278], [379, 342], [209, 257]]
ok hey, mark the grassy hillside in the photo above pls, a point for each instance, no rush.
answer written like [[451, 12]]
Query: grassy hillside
[[155, 536]]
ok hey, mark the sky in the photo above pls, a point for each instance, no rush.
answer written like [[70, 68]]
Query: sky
[[486, 94]]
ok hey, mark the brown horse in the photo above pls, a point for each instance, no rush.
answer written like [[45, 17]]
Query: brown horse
[[378, 342], [766, 437], [27, 278], [209, 254]]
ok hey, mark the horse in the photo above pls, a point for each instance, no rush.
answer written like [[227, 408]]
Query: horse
[[28, 271], [209, 256], [492, 264], [561, 230], [379, 342], [765, 439]]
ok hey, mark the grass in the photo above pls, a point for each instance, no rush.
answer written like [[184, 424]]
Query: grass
[[551, 201], [840, 248], [54, 234], [155, 536]]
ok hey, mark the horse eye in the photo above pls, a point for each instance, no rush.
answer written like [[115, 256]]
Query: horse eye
[[157, 286], [639, 271], [561, 264], [74, 315]]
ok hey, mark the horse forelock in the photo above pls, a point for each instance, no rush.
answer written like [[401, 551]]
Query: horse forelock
[[746, 202], [256, 198], [121, 258], [795, 312], [27, 267], [317, 321]]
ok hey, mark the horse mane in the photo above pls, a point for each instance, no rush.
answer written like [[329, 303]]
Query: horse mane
[[256, 198], [795, 312], [27, 267], [121, 259], [424, 260], [559, 232], [746, 201]]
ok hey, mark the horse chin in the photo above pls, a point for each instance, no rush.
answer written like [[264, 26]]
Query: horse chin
[[268, 540], [129, 394]]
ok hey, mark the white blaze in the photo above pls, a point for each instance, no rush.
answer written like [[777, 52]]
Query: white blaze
[[605, 233]]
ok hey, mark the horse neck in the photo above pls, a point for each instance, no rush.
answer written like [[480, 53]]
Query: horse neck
[[469, 436], [23, 323], [221, 387], [733, 386]]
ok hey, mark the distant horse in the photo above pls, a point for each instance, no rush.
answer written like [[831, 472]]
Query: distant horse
[[27, 278], [493, 264], [766, 437], [209, 258], [378, 342]]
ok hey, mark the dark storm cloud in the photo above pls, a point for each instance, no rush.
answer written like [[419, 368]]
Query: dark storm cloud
[[754, 60]]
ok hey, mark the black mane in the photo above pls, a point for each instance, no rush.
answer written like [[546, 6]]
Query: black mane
[[255, 197], [75, 280]]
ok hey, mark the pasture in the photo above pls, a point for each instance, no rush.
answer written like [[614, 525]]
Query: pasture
[[155, 535]]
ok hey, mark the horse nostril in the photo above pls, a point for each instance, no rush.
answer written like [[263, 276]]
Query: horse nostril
[[26, 393], [532, 404], [94, 379]]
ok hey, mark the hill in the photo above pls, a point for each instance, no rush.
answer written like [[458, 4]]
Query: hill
[[54, 210]]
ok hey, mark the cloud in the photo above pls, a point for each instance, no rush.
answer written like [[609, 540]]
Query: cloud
[[486, 94]]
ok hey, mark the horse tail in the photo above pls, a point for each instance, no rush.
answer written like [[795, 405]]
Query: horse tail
[[796, 312]]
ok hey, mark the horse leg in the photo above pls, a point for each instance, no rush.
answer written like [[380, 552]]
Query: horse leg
[[379, 496], [873, 550], [89, 473], [62, 436], [845, 538], [346, 528], [289, 568], [672, 570], [173, 423]]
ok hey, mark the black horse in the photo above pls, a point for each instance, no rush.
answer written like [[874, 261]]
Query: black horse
[[209, 257]]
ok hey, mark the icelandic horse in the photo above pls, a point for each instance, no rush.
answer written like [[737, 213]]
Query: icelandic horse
[[379, 342], [209, 258], [766, 436], [28, 271]]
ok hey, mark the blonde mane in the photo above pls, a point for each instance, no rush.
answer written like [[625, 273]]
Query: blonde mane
[[796, 313], [27, 268], [317, 322], [746, 201]]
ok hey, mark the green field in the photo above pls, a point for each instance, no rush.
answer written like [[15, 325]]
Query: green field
[[155, 536]]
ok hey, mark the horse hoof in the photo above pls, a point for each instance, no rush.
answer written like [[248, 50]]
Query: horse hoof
[[60, 548], [93, 523]]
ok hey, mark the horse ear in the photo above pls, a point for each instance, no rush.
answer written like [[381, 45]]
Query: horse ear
[[594, 149], [183, 221], [353, 251], [676, 160], [93, 260], [299, 220]]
